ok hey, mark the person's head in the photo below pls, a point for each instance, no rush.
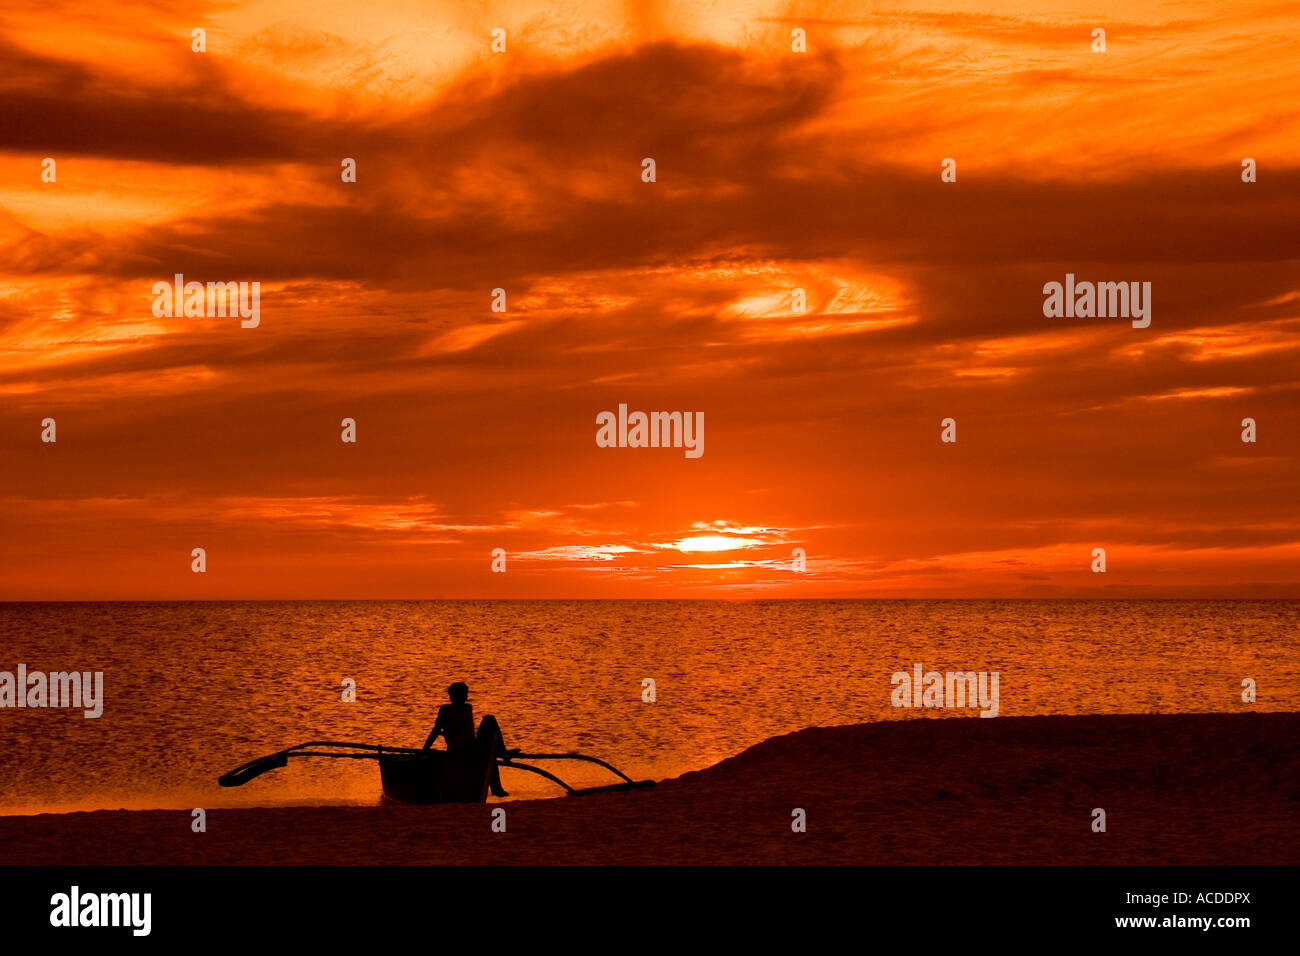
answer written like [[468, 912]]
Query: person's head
[[458, 692]]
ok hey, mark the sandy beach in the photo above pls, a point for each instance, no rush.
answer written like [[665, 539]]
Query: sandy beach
[[1177, 789]]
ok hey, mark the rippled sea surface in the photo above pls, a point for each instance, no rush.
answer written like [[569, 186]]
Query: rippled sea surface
[[193, 689]]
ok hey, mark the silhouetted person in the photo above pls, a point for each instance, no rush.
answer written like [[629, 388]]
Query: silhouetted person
[[455, 724]]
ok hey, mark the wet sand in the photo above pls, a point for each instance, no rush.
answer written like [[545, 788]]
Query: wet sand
[[1176, 789]]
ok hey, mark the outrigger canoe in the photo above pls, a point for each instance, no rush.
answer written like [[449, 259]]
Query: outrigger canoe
[[408, 775]]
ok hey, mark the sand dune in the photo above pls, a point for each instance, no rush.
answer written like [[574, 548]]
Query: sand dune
[[1177, 789]]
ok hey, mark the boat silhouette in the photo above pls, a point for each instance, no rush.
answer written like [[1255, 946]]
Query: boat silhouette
[[428, 776]]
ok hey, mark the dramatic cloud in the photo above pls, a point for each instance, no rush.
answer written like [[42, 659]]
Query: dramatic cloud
[[798, 272]]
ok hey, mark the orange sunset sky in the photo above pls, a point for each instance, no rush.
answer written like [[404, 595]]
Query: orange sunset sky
[[776, 170]]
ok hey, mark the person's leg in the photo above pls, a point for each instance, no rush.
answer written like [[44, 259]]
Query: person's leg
[[489, 736], [489, 729]]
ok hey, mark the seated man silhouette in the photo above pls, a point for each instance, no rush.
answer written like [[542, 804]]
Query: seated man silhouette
[[455, 724]]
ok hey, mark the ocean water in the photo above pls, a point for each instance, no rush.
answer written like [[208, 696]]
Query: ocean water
[[193, 689]]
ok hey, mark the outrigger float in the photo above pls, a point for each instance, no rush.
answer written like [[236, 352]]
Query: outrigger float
[[408, 775]]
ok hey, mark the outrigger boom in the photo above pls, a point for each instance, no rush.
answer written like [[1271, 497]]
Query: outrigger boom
[[412, 775]]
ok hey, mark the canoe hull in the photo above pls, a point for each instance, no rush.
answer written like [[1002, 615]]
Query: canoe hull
[[436, 776]]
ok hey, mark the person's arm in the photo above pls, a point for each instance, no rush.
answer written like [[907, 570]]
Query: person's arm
[[437, 729]]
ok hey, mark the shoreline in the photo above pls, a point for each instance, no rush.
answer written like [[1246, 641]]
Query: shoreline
[[1191, 789]]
